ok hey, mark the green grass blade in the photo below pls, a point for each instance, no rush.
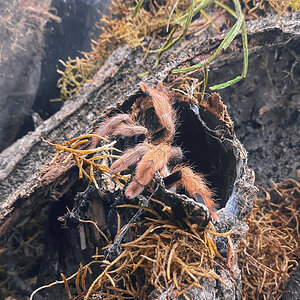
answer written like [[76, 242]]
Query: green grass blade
[[137, 8]]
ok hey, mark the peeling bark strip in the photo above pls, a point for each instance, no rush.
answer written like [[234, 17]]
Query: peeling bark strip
[[32, 201]]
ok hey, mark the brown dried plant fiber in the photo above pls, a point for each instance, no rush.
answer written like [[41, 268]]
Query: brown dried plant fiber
[[269, 252]]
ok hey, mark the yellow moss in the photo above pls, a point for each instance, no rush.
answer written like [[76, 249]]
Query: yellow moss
[[165, 22], [76, 72], [121, 27], [254, 8]]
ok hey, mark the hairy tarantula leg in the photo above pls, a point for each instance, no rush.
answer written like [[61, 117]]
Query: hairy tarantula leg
[[129, 130], [154, 160], [129, 158], [196, 186], [109, 125], [118, 125], [163, 108], [134, 189]]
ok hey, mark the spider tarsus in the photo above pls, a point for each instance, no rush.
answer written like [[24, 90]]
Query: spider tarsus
[[134, 189], [129, 158]]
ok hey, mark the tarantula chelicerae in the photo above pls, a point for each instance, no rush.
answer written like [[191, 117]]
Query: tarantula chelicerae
[[156, 151]]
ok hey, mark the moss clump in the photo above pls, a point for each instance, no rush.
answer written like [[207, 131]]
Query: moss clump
[[257, 8], [154, 27], [269, 252], [158, 256]]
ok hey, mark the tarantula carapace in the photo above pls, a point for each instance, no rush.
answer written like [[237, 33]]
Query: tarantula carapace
[[154, 154]]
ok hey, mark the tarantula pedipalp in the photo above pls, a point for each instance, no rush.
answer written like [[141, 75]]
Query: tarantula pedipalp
[[155, 153]]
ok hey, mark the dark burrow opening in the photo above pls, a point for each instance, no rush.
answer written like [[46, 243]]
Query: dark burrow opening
[[205, 151]]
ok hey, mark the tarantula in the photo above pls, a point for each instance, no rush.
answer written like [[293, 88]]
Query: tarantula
[[156, 151]]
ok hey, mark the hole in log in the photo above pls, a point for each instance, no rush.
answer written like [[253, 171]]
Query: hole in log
[[206, 152]]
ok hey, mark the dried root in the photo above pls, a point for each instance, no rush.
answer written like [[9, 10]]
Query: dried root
[[94, 162], [269, 252], [164, 257], [157, 256]]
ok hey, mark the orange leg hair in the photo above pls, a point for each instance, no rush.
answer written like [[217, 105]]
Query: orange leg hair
[[128, 130], [129, 158], [163, 109], [109, 125], [195, 184], [154, 160], [118, 125]]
